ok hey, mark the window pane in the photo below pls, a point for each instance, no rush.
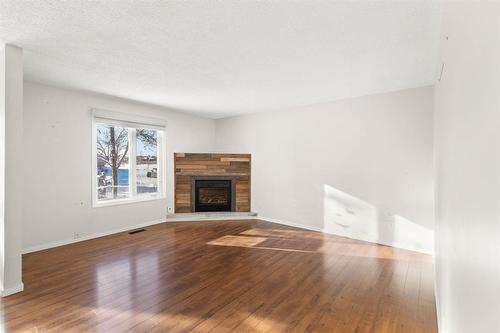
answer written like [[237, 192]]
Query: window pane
[[112, 162], [147, 161]]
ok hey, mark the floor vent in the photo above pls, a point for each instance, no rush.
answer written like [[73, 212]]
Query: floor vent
[[136, 231]]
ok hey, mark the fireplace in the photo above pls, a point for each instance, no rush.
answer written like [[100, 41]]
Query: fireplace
[[232, 194], [213, 195]]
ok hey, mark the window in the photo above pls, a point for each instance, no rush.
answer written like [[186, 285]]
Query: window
[[112, 153], [146, 165], [128, 161]]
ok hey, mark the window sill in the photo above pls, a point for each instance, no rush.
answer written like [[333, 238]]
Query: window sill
[[119, 202]]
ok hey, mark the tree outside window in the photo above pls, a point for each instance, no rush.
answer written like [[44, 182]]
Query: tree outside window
[[127, 162]]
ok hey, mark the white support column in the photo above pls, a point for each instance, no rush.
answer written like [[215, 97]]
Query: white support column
[[11, 168]]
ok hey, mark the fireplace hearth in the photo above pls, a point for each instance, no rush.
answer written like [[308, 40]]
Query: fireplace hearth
[[213, 195]]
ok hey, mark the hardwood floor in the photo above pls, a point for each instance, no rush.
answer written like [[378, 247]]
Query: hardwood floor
[[223, 276]]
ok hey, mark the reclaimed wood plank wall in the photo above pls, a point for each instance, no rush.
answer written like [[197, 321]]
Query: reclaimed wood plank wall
[[189, 165]]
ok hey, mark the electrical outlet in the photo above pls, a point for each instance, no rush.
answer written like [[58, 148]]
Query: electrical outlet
[[76, 235]]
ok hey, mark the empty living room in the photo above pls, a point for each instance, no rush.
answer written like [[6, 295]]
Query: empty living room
[[250, 166]]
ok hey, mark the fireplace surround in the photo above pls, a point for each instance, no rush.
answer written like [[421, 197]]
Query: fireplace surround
[[229, 173]]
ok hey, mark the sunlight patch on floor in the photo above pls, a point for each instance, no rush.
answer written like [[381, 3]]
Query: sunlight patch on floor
[[237, 241], [327, 244], [251, 242], [280, 233]]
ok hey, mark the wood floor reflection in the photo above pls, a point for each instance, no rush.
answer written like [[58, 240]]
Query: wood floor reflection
[[223, 276]]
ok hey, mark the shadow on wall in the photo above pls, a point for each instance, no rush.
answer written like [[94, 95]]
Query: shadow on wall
[[346, 215]]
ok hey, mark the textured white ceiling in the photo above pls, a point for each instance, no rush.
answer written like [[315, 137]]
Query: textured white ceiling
[[220, 58]]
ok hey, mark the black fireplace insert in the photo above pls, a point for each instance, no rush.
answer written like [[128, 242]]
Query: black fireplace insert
[[213, 195]]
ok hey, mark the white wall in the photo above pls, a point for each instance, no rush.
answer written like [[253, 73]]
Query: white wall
[[468, 169], [11, 177], [360, 167], [57, 168]]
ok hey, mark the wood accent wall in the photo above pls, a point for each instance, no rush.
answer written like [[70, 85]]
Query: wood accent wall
[[190, 165]]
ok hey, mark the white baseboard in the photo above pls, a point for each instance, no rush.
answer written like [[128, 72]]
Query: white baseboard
[[375, 241], [13, 290], [46, 246], [50, 245], [193, 219], [290, 224]]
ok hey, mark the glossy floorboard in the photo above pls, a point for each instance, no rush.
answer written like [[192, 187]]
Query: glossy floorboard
[[223, 276]]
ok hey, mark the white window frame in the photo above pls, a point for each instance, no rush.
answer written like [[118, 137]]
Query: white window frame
[[132, 122]]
